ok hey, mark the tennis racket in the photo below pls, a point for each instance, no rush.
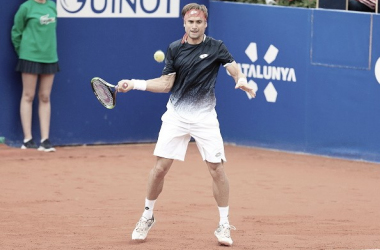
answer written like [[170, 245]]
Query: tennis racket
[[104, 91]]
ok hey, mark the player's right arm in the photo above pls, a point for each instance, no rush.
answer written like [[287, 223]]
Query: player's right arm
[[161, 84]]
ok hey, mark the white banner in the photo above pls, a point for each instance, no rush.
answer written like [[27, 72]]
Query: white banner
[[119, 8]]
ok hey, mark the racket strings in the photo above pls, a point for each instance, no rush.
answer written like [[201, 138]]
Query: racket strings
[[103, 92]]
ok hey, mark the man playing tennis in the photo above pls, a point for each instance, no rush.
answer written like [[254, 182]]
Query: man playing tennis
[[190, 72]]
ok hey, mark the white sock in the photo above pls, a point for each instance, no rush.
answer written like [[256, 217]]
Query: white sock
[[149, 205], [223, 212], [26, 140]]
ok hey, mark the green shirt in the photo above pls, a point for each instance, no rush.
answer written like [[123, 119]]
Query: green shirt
[[34, 32]]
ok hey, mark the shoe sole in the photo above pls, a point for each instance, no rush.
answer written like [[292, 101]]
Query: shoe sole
[[23, 147], [225, 243], [46, 150]]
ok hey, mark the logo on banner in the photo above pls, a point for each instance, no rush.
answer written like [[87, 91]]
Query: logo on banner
[[267, 71], [72, 6], [119, 8]]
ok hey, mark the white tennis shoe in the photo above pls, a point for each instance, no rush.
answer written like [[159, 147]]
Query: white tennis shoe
[[142, 228], [223, 233]]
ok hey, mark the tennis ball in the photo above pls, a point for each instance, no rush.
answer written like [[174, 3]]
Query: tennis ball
[[159, 56]]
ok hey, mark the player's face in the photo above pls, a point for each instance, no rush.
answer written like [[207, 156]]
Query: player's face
[[195, 28]]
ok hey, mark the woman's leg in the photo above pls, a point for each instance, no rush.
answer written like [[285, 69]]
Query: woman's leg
[[29, 83], [44, 106]]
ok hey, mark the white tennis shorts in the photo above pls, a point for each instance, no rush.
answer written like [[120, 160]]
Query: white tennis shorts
[[175, 135]]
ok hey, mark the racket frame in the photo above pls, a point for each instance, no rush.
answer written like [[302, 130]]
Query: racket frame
[[111, 89]]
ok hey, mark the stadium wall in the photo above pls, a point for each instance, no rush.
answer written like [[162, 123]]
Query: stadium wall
[[316, 73], [325, 101]]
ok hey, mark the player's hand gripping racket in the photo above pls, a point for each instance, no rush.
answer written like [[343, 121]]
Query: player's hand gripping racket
[[105, 92]]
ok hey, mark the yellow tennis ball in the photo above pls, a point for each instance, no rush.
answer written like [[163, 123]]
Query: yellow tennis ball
[[159, 56]]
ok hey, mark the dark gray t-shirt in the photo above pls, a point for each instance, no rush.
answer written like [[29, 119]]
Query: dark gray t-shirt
[[196, 68]]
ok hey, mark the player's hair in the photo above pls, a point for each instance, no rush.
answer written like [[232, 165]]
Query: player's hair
[[194, 6]]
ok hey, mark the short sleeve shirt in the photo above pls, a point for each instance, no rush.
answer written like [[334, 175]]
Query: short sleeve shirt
[[196, 68]]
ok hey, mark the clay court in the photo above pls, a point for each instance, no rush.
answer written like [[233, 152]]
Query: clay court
[[90, 197]]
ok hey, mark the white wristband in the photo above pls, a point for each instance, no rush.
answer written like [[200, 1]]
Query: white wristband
[[139, 84], [242, 80]]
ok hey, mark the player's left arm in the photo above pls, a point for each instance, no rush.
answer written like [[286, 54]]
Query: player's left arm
[[240, 79]]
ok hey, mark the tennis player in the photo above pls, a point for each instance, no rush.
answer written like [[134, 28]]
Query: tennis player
[[190, 72]]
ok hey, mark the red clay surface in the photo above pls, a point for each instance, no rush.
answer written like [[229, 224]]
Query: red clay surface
[[91, 197]]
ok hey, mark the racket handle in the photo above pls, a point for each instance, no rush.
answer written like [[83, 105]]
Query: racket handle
[[124, 86]]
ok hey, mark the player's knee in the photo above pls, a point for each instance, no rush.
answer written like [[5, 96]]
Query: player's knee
[[215, 166], [159, 172], [217, 171]]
